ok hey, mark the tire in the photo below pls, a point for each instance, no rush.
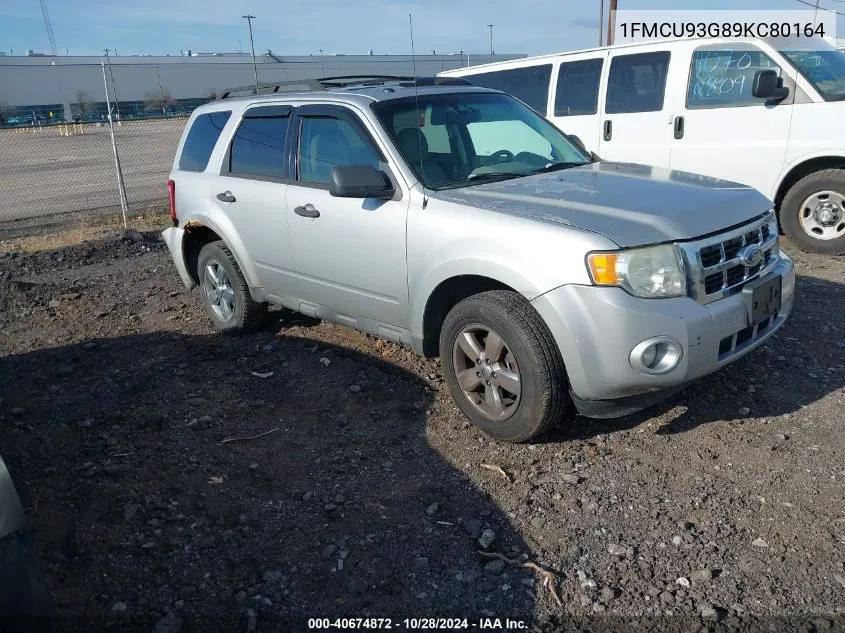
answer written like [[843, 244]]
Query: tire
[[527, 349], [799, 212], [226, 301]]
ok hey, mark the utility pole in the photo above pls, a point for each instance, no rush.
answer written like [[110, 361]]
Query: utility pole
[[611, 22], [322, 70], [816, 14], [601, 23], [161, 93], [249, 19], [113, 89], [491, 42]]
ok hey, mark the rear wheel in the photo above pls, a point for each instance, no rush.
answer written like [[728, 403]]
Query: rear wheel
[[813, 212], [224, 292], [502, 366]]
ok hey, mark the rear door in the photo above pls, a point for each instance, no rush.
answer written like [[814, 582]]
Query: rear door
[[251, 189], [726, 132], [636, 122], [575, 99]]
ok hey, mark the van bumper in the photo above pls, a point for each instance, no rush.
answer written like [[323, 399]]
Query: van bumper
[[597, 328]]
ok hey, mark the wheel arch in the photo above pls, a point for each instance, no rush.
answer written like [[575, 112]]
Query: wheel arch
[[802, 168], [202, 231]]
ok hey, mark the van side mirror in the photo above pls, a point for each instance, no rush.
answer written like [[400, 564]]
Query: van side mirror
[[767, 85], [360, 181]]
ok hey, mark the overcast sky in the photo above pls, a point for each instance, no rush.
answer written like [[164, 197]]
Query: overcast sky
[[337, 26]]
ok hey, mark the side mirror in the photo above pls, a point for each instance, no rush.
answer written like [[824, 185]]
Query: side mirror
[[577, 142], [767, 85], [360, 181]]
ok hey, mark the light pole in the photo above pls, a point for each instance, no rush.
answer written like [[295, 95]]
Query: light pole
[[322, 69], [249, 19], [601, 23], [113, 89], [491, 41]]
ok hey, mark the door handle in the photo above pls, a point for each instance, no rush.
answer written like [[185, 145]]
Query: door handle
[[307, 211], [679, 127], [608, 130], [225, 196]]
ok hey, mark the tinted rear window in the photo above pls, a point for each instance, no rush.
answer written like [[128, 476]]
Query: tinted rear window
[[529, 84], [637, 83], [202, 137], [578, 88], [259, 146]]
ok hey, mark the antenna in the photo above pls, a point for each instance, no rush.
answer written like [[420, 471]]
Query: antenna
[[417, 102]]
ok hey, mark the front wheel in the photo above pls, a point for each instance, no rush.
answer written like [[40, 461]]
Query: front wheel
[[813, 212], [502, 366], [224, 291]]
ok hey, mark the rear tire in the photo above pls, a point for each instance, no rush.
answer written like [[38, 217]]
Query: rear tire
[[812, 213], [224, 292], [502, 366]]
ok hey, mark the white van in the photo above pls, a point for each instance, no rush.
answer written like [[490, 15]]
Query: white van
[[766, 113]]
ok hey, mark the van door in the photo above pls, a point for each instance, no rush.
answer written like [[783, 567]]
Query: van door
[[575, 105], [636, 124], [725, 131]]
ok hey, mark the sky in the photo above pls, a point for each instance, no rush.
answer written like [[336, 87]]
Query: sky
[[160, 27]]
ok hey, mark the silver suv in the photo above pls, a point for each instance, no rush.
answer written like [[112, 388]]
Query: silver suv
[[458, 221]]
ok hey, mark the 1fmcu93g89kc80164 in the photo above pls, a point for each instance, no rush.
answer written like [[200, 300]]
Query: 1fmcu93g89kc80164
[[458, 221]]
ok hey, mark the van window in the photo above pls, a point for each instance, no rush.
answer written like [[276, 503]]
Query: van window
[[201, 139], [722, 78], [578, 87], [258, 148], [637, 83], [529, 84]]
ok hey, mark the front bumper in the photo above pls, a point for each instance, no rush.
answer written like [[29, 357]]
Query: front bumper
[[596, 328]]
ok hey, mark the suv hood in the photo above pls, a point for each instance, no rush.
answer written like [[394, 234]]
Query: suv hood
[[633, 205]]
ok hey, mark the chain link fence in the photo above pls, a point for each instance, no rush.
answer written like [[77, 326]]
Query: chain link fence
[[59, 158]]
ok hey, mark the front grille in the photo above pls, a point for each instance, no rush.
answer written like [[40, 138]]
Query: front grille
[[713, 264]]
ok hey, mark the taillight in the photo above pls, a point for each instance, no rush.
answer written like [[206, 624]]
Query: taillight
[[171, 195]]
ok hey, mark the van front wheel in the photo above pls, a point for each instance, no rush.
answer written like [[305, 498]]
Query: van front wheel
[[813, 212]]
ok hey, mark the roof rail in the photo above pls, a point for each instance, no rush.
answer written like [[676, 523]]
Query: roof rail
[[344, 81], [311, 84]]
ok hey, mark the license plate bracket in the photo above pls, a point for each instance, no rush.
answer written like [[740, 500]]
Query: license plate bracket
[[763, 298]]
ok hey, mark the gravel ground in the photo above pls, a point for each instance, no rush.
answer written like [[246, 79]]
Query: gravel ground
[[361, 492]]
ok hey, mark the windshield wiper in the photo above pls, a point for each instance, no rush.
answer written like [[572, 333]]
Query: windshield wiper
[[557, 167], [476, 180]]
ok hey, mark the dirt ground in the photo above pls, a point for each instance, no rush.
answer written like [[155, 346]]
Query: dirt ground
[[181, 480]]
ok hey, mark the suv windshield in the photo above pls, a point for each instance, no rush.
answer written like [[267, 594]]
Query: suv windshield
[[824, 69], [461, 139]]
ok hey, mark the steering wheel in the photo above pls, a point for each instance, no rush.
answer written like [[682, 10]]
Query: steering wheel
[[501, 156]]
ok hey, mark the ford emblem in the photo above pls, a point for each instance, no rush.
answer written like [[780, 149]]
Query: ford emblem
[[751, 255]]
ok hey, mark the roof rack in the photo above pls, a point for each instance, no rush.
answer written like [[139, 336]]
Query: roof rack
[[345, 81]]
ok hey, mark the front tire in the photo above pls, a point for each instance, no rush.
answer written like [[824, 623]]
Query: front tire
[[224, 291], [812, 213], [502, 366]]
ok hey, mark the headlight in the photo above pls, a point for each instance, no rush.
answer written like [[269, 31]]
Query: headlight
[[655, 272]]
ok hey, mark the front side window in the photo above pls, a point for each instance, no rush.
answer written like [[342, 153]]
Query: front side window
[[529, 84], [201, 139], [721, 78], [258, 148], [327, 142], [637, 83], [578, 87], [824, 69], [491, 137]]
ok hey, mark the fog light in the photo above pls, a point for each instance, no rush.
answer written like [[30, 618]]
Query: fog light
[[658, 355]]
